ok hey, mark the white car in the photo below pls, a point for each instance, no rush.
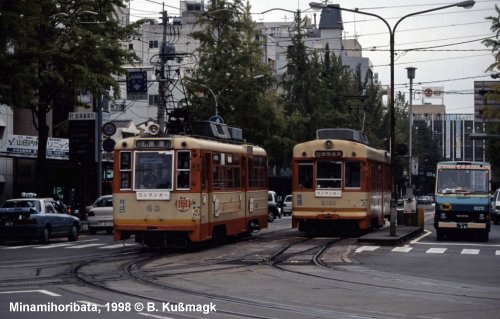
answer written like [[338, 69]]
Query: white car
[[100, 215], [287, 205]]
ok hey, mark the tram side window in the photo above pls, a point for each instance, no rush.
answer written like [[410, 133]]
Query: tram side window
[[305, 175], [183, 169], [257, 172], [353, 174], [226, 171], [328, 174], [125, 170]]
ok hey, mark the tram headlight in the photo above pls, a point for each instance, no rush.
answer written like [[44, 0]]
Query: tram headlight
[[443, 216]]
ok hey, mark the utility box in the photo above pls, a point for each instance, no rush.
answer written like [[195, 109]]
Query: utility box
[[409, 211]]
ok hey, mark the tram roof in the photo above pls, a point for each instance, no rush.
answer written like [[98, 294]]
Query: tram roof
[[188, 142], [347, 147]]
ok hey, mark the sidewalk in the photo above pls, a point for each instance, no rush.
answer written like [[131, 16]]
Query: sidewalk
[[382, 236]]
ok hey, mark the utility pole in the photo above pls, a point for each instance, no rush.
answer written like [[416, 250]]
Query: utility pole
[[162, 81]]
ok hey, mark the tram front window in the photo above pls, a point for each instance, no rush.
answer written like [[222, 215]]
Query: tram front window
[[153, 170], [328, 174]]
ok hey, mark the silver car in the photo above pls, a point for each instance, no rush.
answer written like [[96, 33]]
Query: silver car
[[100, 215], [287, 205]]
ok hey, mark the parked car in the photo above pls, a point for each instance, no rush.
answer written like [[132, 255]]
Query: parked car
[[100, 215], [36, 218], [273, 211], [495, 207], [287, 205]]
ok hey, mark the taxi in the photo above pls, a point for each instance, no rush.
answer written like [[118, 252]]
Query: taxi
[[30, 218]]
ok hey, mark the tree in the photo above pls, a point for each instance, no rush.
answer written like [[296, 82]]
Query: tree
[[493, 112], [52, 44], [231, 72]]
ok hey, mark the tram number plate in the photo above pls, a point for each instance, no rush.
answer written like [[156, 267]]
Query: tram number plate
[[462, 226]]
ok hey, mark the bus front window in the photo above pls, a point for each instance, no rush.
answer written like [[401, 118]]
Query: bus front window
[[451, 181], [153, 170]]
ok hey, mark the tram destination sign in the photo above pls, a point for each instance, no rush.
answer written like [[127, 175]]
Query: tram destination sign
[[153, 143]]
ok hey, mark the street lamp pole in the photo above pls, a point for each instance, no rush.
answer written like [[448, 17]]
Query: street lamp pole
[[464, 4], [411, 75]]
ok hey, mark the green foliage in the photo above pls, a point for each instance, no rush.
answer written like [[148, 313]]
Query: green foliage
[[54, 48]]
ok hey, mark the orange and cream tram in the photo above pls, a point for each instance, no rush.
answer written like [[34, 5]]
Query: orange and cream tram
[[339, 183], [179, 189]]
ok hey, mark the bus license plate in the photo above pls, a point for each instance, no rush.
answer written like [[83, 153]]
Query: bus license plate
[[462, 226]]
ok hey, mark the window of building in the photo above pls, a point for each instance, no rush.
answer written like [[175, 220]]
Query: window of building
[[154, 99], [153, 44]]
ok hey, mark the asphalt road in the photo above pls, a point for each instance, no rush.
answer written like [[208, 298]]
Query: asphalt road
[[277, 274]]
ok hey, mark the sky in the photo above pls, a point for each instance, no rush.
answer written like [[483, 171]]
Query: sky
[[451, 54]]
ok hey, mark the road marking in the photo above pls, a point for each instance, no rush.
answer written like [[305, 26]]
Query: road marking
[[22, 246], [54, 246], [470, 252], [121, 245], [497, 253], [416, 240], [84, 246], [42, 291], [366, 248], [402, 249], [436, 250]]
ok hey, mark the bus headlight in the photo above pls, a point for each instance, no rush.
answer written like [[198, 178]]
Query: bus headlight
[[481, 216], [443, 216]]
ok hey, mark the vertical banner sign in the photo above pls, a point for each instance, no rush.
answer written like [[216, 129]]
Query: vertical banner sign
[[458, 139], [82, 136], [448, 139], [137, 85]]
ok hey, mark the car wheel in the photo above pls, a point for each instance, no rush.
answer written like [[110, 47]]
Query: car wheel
[[270, 216], [45, 236], [73, 236]]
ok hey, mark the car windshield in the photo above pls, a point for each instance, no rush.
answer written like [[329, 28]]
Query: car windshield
[[462, 181], [22, 203]]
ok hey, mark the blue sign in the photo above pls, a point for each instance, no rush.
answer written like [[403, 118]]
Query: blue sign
[[137, 82], [216, 119]]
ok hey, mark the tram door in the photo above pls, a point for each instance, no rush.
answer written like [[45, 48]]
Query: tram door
[[205, 219]]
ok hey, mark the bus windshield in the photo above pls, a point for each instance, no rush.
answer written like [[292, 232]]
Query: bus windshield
[[467, 181]]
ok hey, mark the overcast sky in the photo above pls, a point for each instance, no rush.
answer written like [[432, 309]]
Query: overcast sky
[[454, 56]]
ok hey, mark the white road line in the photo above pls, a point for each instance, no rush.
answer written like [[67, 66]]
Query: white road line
[[470, 252], [497, 253], [366, 248], [84, 246], [416, 240], [22, 246], [54, 246], [121, 245], [42, 291], [402, 249], [436, 250]]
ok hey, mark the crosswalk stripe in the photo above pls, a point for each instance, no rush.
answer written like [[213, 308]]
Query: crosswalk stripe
[[470, 252], [402, 249], [436, 250], [22, 246], [84, 246]]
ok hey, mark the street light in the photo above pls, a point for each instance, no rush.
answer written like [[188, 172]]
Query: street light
[[464, 4], [216, 96], [411, 75]]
